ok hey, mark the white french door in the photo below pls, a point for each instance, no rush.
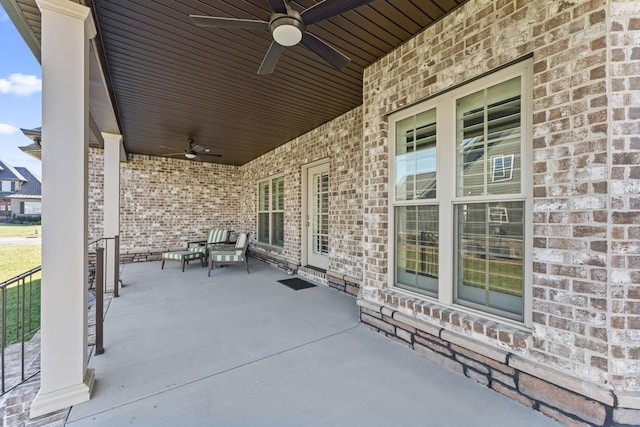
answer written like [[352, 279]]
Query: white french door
[[317, 212]]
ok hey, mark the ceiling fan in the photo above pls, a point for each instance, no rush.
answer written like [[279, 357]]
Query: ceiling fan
[[195, 151], [288, 28]]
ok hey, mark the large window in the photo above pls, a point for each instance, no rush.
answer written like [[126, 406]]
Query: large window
[[461, 194], [31, 208], [271, 211]]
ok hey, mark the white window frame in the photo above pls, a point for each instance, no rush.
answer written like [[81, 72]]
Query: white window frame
[[446, 198], [270, 211]]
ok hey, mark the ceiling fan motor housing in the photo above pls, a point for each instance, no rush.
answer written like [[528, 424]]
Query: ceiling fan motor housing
[[286, 30]]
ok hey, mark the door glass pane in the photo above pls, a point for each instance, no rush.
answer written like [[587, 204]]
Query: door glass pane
[[417, 247], [320, 214], [489, 255], [488, 129]]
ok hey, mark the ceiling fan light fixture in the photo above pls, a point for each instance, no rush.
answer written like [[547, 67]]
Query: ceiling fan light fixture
[[190, 155], [287, 30]]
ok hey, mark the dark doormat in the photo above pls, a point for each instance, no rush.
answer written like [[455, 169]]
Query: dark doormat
[[296, 283]]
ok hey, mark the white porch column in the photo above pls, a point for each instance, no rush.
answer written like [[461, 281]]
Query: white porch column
[[111, 197], [65, 379]]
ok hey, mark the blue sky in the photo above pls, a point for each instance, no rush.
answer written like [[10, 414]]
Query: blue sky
[[20, 96]]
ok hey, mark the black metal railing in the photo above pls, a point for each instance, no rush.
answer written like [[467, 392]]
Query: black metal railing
[[20, 317], [97, 262], [20, 313]]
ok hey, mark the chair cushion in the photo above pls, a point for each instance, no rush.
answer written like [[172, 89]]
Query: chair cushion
[[227, 256], [198, 249], [217, 235], [179, 255], [242, 240]]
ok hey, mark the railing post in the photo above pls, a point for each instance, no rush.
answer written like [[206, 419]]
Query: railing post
[[4, 333], [116, 265], [23, 327], [99, 299]]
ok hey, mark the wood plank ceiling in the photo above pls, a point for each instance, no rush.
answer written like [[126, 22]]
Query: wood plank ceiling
[[172, 80]]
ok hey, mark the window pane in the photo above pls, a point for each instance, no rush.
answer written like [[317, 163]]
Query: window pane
[[488, 140], [32, 208], [320, 214], [416, 157], [489, 255], [277, 191], [263, 227], [277, 228], [263, 196], [417, 247]]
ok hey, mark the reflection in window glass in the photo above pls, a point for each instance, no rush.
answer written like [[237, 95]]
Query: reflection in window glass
[[263, 196], [263, 227], [489, 255], [277, 227], [488, 141], [416, 157], [417, 247], [271, 211]]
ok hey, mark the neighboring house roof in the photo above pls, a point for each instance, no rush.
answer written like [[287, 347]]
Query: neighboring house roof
[[32, 188], [9, 173], [34, 150]]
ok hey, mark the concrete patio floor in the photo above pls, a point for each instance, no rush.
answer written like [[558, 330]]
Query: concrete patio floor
[[244, 350]]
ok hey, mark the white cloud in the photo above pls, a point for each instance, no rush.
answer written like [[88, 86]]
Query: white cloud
[[20, 84], [6, 129]]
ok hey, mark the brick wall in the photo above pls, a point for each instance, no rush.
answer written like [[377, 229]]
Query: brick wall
[[341, 142], [96, 193], [623, 290], [586, 298], [166, 202]]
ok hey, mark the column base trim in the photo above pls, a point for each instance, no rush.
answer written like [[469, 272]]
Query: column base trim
[[54, 401]]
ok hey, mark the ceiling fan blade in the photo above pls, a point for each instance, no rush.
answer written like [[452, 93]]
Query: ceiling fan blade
[[220, 22], [337, 59], [271, 59], [210, 154], [278, 6], [328, 8], [197, 148]]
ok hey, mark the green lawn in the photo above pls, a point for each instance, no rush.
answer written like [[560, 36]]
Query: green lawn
[[19, 230], [16, 259], [31, 297], [503, 276], [499, 275]]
